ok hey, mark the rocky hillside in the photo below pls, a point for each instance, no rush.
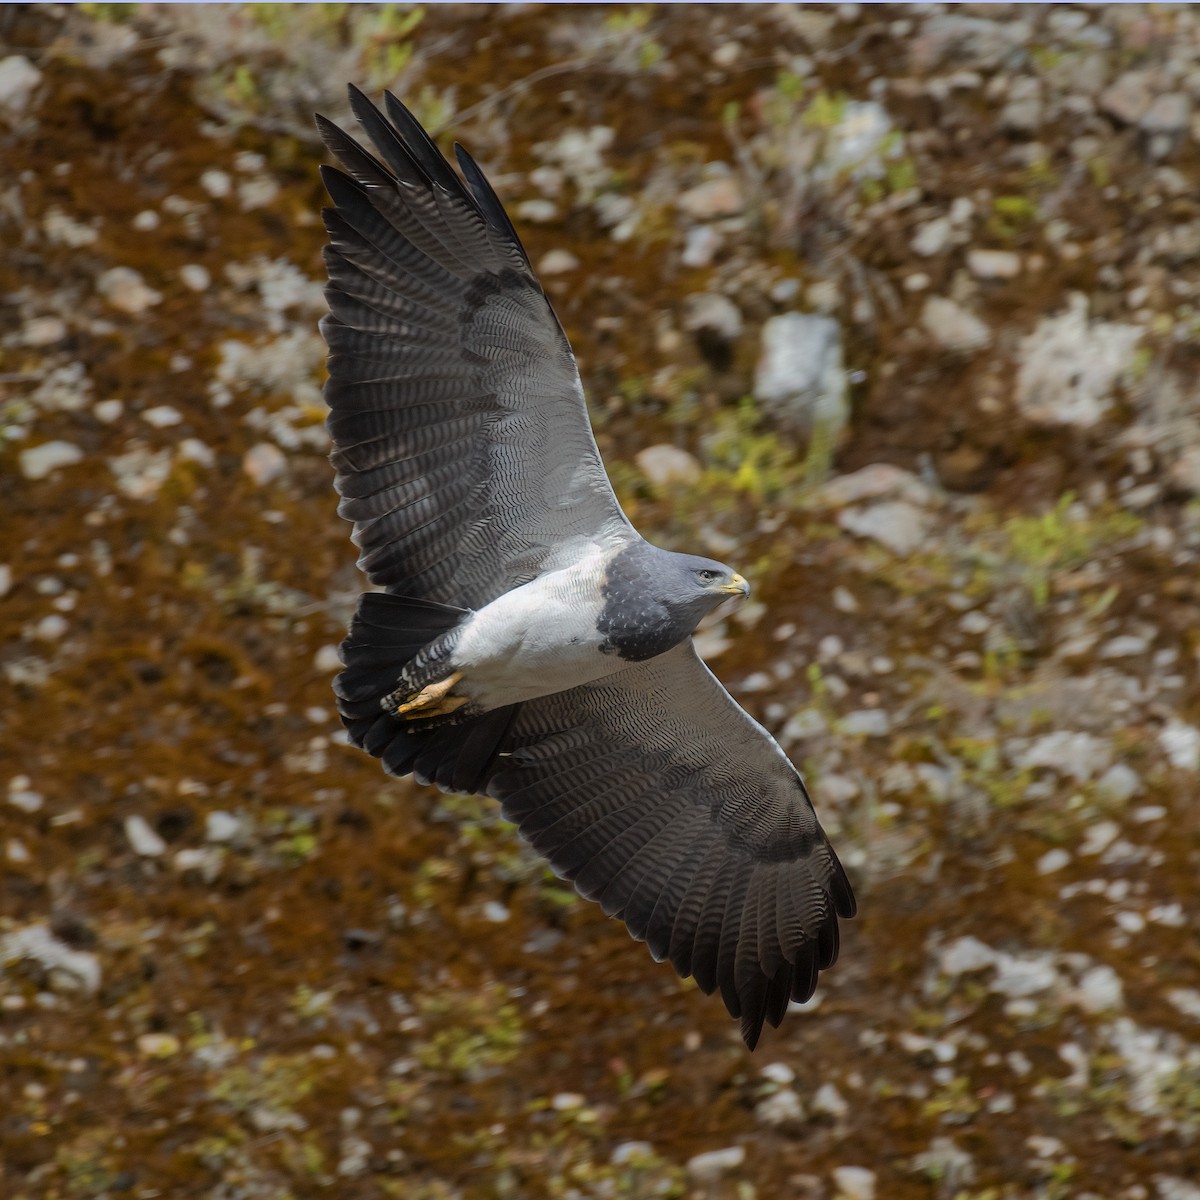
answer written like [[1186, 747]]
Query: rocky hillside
[[895, 308]]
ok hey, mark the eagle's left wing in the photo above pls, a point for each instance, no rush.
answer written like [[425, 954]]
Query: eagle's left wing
[[664, 801]]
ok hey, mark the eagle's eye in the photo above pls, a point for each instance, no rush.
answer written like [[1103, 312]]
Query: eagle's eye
[[707, 576]]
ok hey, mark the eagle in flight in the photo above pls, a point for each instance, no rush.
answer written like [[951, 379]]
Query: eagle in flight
[[525, 641]]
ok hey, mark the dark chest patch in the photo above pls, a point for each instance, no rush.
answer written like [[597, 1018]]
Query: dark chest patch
[[634, 621]]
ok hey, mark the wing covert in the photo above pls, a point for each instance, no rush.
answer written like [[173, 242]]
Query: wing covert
[[461, 440]]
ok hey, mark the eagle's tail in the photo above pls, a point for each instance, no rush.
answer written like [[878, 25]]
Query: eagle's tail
[[386, 634]]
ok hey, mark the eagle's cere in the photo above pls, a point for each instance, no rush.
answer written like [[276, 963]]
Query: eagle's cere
[[527, 642]]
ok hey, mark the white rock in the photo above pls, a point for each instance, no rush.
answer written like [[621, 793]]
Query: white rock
[[1127, 645], [625, 1152], [717, 197], [1171, 1187], [108, 410], [854, 1183], [949, 1164], [194, 450], [865, 722], [18, 78], [780, 1108], [580, 154], [65, 230], [1119, 784], [162, 416], [326, 660], [861, 140], [146, 221], [1099, 837], [830, 1101], [1100, 990], [1051, 861], [142, 837], [896, 524], [875, 482], [1079, 756], [495, 912], [1024, 975], [257, 192], [993, 264], [127, 291], [71, 970], [1184, 472], [959, 40], [1169, 114], [20, 795], [933, 237], [1068, 367], [221, 826], [664, 465], [1023, 112], [778, 1072], [43, 331], [537, 211], [50, 628], [264, 463], [141, 472], [965, 954], [1187, 1000], [713, 313], [557, 262], [700, 246], [218, 184], [195, 276], [807, 723], [1128, 97], [38, 461], [800, 375], [953, 327], [712, 1164], [1180, 742]]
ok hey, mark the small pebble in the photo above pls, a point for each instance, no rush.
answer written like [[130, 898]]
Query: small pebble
[[711, 1165], [162, 416], [158, 1045], [1052, 860], [217, 184], [326, 660], [854, 1183], [264, 463], [195, 277], [39, 461], [127, 291], [557, 262], [142, 838], [993, 264], [221, 826]]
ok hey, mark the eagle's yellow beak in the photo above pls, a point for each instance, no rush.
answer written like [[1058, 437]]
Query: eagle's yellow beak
[[737, 586]]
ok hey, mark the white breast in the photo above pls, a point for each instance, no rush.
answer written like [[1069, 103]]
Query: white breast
[[537, 639]]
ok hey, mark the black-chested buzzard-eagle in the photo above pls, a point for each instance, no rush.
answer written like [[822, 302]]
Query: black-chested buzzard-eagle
[[527, 643]]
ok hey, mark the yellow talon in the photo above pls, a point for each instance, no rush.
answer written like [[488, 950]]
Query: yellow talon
[[432, 699]]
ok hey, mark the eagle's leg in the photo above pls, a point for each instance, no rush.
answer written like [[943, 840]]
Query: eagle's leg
[[432, 700]]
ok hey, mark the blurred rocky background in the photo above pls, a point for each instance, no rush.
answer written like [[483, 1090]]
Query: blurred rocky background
[[896, 309]]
